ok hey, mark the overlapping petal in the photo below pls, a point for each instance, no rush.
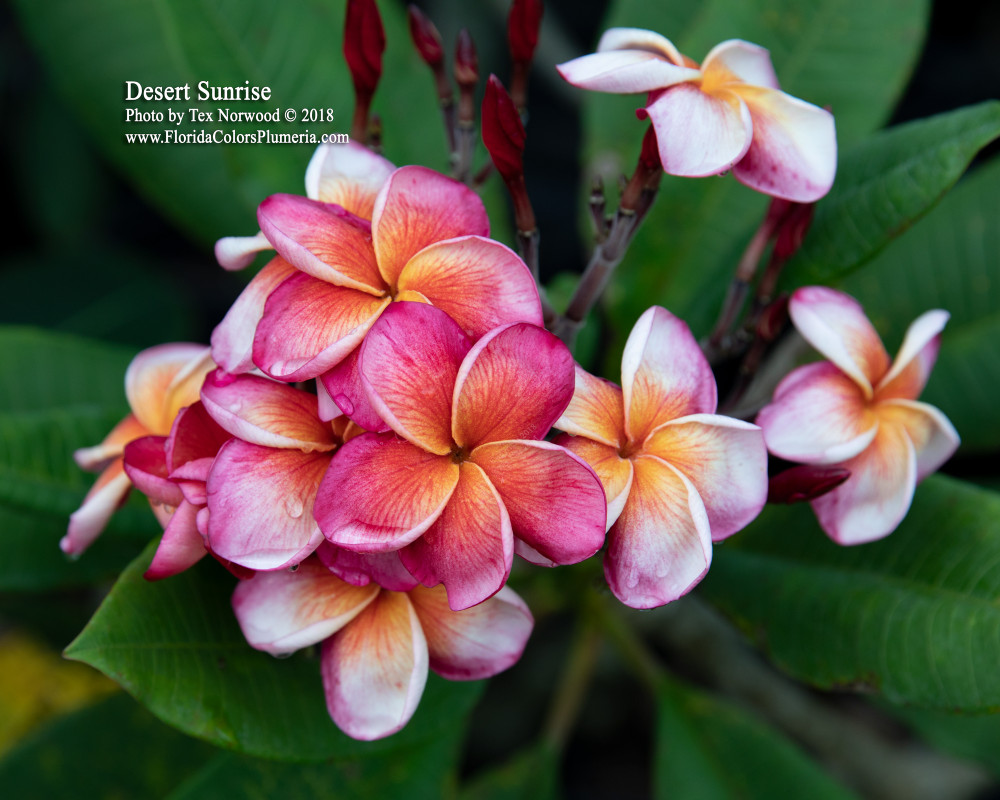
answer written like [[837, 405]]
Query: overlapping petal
[[639, 39], [912, 366], [624, 71], [86, 523], [361, 569], [614, 472], [145, 463], [934, 438], [182, 545], [343, 385], [98, 457], [349, 175], [162, 380], [237, 252], [748, 63], [596, 411], [194, 436]]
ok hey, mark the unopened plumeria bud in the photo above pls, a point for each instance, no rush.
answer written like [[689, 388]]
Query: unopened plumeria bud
[[364, 43], [805, 482], [426, 38], [793, 229], [773, 319], [523, 22], [641, 188], [466, 61], [503, 133]]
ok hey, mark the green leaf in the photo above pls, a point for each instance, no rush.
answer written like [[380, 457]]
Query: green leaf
[[176, 647], [112, 749], [949, 260], [708, 749], [914, 616], [970, 737], [532, 774], [884, 185]]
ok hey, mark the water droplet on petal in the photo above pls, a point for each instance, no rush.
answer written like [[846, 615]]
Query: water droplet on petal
[[344, 404], [293, 507]]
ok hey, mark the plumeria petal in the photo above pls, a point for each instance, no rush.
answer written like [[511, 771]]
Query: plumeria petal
[[232, 339], [145, 463], [639, 39], [624, 72], [614, 472], [934, 438], [343, 385], [664, 374], [479, 283], [191, 478], [596, 411], [408, 365], [281, 612], [417, 207], [699, 134], [162, 380], [86, 523], [375, 669], [555, 501], [260, 501], [794, 149], [874, 500], [194, 436], [322, 240], [747, 62], [521, 355], [478, 642], [182, 546], [349, 175], [661, 545], [265, 412], [385, 569], [470, 547], [912, 367], [382, 492], [96, 458], [726, 461], [819, 416], [835, 324], [309, 326], [236, 252]]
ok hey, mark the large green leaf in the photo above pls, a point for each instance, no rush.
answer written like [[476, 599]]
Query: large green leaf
[[949, 260], [176, 647], [709, 749], [884, 185], [531, 774], [914, 616], [970, 737]]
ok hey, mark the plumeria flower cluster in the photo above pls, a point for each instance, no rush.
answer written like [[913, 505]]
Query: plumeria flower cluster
[[370, 439]]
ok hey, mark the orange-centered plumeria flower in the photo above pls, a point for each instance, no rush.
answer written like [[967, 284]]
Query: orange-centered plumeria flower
[[859, 411], [159, 382], [677, 476], [727, 114]]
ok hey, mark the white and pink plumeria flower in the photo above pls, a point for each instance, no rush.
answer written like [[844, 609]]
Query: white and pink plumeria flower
[[378, 644], [677, 475], [860, 411], [727, 114]]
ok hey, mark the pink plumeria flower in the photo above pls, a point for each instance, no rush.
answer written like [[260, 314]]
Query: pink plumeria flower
[[379, 644], [860, 412], [262, 484], [727, 114], [158, 383], [677, 476], [463, 478]]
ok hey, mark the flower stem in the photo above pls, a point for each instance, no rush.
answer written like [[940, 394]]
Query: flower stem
[[572, 688]]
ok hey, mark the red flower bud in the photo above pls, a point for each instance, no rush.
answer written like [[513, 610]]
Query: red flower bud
[[649, 156], [503, 133], [364, 43], [425, 37], [804, 482], [466, 61], [523, 22], [792, 230], [773, 319]]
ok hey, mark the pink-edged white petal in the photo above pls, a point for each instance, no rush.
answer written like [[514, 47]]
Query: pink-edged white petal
[[281, 612], [260, 501], [912, 367], [408, 364], [596, 411], [342, 384], [86, 523], [361, 569], [613, 471], [744, 61], [624, 72], [555, 501], [375, 669], [232, 339], [309, 326], [162, 380], [835, 324], [487, 408], [470, 547], [661, 545], [475, 643], [96, 458], [794, 149], [639, 39], [479, 283], [237, 252], [322, 240], [664, 374], [934, 438], [874, 500], [349, 175], [145, 463], [266, 412], [726, 461], [417, 207], [182, 546], [819, 416], [381, 492], [699, 134]]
